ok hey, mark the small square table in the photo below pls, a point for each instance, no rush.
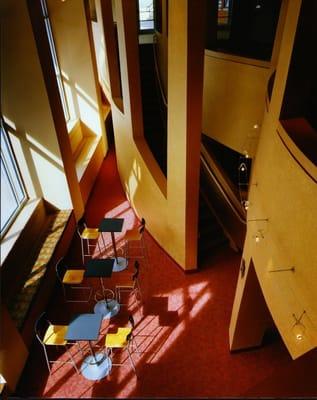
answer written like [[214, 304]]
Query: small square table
[[113, 225], [86, 327], [102, 268], [99, 268]]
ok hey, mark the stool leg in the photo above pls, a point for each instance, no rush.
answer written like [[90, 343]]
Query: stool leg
[[80, 349], [82, 250], [47, 360], [98, 244], [131, 361], [136, 345], [72, 359], [118, 294], [88, 247], [103, 241]]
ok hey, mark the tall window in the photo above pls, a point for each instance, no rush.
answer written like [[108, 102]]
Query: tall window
[[13, 195], [146, 15], [55, 59]]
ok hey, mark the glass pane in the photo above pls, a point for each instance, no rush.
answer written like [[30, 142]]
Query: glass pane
[[12, 191], [11, 169], [9, 203], [55, 60], [145, 25], [146, 14]]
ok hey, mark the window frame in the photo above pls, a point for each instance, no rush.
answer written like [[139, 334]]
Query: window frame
[[146, 30], [5, 141], [58, 74]]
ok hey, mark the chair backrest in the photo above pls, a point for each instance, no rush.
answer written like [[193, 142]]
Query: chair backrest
[[40, 327], [142, 226], [81, 225], [60, 269], [135, 275], [130, 335], [131, 320], [136, 265]]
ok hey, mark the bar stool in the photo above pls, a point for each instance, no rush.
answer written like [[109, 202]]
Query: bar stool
[[131, 285], [123, 339], [72, 279], [134, 240], [86, 236], [52, 335]]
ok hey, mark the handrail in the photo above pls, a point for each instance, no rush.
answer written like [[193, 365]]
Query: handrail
[[237, 59], [291, 153], [269, 90], [270, 84], [227, 186], [158, 74], [226, 183], [220, 187]]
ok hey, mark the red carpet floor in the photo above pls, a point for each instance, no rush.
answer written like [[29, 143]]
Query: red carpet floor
[[181, 329]]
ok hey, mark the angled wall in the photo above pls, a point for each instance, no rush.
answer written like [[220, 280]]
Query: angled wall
[[173, 220], [281, 232]]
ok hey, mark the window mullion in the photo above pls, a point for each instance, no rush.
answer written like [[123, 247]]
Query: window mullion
[[54, 57], [13, 161], [10, 179]]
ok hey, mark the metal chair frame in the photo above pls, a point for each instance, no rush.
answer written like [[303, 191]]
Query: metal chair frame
[[37, 328], [136, 243], [60, 272], [81, 226], [130, 341], [133, 286]]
